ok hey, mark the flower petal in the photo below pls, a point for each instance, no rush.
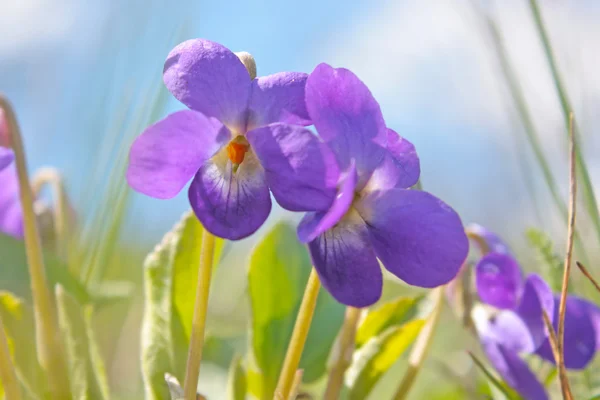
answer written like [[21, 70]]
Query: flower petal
[[301, 170], [580, 335], [400, 168], [168, 154], [6, 157], [208, 77], [278, 98], [11, 214], [346, 263], [537, 296], [498, 280], [315, 223], [417, 237], [492, 242], [232, 205], [347, 117]]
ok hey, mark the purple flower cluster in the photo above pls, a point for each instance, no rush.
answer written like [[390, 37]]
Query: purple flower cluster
[[243, 139], [517, 326]]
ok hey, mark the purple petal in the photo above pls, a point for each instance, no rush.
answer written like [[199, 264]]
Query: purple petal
[[168, 154], [301, 170], [514, 371], [11, 215], [315, 223], [6, 157], [232, 205], [4, 137], [209, 78], [278, 98], [346, 263], [417, 237], [594, 313], [347, 117], [492, 242], [580, 335], [537, 296], [498, 280], [400, 167]]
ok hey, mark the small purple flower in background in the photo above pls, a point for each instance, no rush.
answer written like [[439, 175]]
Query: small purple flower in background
[[6, 154], [517, 327], [222, 141], [373, 216], [11, 215]]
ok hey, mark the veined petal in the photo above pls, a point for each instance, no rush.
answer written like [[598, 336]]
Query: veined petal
[[278, 98], [168, 154], [400, 168], [347, 117], [580, 334], [492, 241], [346, 263], [208, 77], [301, 170], [232, 205], [416, 236], [315, 223], [498, 280], [537, 297], [6, 157], [11, 214]]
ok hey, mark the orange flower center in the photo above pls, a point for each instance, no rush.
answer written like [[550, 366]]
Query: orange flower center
[[236, 150]]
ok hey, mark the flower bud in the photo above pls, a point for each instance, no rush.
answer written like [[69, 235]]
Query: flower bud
[[248, 61]]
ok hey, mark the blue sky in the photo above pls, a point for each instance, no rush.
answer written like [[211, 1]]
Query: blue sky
[[73, 66]]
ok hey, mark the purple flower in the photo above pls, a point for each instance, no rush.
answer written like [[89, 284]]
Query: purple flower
[[234, 143], [373, 215], [6, 157], [11, 216], [518, 327], [6, 154]]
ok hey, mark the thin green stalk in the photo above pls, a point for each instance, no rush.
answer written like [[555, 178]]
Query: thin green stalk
[[8, 376], [588, 190], [50, 347], [421, 347], [296, 346], [344, 348], [192, 370]]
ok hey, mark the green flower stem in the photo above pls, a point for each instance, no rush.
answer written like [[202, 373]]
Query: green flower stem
[[421, 347], [301, 328], [12, 391], [50, 176], [344, 348], [192, 370], [50, 347]]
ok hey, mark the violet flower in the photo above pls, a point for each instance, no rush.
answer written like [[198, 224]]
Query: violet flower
[[6, 153], [11, 215], [6, 157], [221, 143], [517, 327], [417, 237]]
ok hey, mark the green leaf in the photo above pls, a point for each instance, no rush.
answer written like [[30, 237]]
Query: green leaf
[[278, 273], [394, 312], [20, 330], [236, 386], [86, 371], [506, 390], [14, 274], [551, 261], [170, 279], [379, 354]]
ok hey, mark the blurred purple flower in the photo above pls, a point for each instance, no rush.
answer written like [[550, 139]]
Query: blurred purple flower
[[11, 216], [235, 124], [6, 157], [373, 215], [518, 327], [6, 154]]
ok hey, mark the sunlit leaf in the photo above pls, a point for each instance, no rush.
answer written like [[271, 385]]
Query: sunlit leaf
[[378, 355], [236, 387], [394, 312], [278, 273], [86, 374]]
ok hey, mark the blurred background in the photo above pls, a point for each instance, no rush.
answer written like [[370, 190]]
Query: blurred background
[[85, 79]]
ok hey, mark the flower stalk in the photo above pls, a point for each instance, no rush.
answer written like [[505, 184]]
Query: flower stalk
[[8, 375], [343, 351], [301, 328], [192, 371], [48, 339]]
